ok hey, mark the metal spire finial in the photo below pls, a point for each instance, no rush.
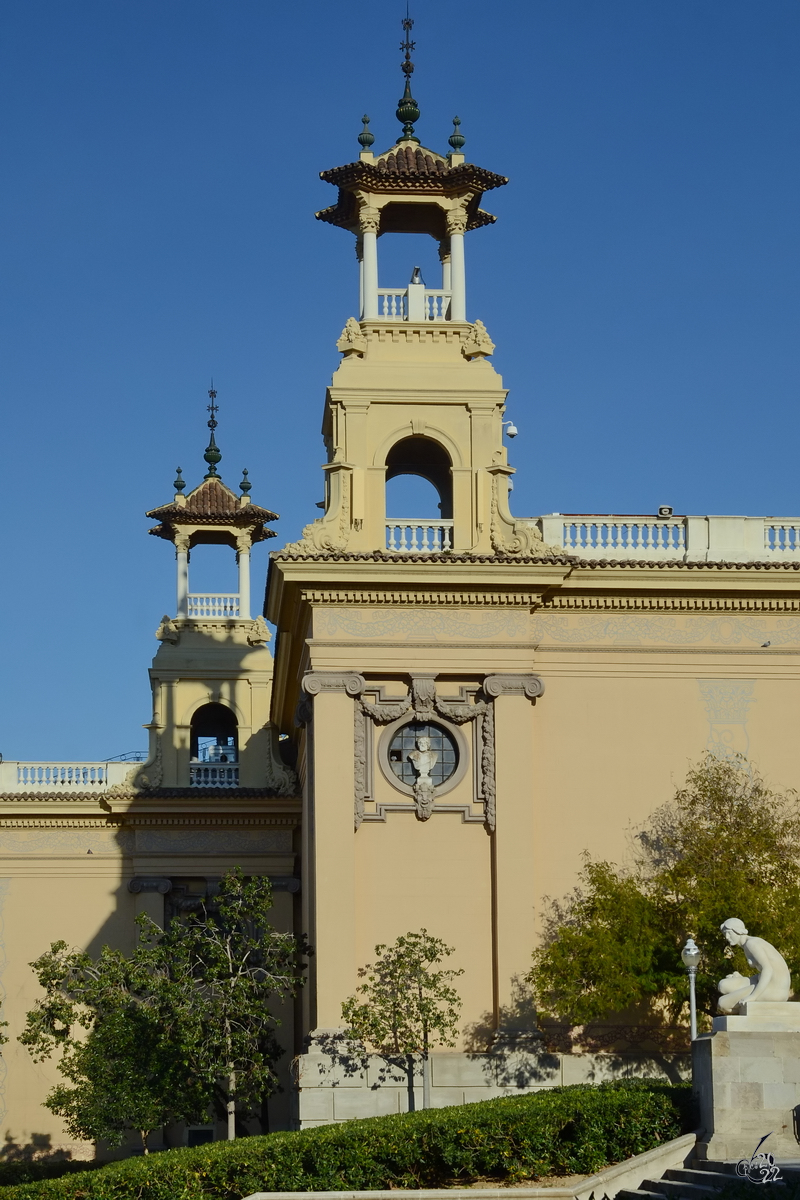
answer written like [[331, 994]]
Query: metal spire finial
[[407, 110], [213, 454], [457, 139], [365, 138]]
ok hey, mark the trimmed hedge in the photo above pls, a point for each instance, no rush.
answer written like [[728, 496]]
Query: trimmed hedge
[[563, 1131]]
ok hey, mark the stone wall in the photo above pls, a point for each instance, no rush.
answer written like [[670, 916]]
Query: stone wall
[[340, 1087]]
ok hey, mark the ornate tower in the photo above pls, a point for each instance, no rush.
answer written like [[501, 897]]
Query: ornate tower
[[415, 392], [404, 661], [212, 676]]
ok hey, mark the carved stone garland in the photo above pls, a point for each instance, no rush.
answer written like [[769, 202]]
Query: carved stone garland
[[426, 706]]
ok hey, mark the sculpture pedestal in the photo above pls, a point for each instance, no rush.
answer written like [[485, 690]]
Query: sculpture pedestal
[[746, 1076]]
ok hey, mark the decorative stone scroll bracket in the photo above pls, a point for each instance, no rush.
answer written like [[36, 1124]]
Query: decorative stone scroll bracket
[[143, 883], [333, 681], [531, 686]]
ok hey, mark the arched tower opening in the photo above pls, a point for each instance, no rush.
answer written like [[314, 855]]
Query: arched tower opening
[[422, 457], [213, 746], [423, 461]]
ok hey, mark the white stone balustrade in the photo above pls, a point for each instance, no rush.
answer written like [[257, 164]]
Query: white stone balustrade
[[213, 604], [61, 777], [419, 537], [677, 539], [216, 775], [414, 303]]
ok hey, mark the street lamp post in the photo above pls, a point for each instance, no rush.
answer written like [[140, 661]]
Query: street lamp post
[[690, 955]]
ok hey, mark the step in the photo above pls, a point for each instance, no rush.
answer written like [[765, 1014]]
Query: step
[[639, 1194], [684, 1191], [706, 1178]]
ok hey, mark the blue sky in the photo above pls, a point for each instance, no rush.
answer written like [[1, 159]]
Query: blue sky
[[161, 163]]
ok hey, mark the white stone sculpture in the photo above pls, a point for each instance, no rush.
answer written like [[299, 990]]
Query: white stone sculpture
[[773, 983], [423, 759]]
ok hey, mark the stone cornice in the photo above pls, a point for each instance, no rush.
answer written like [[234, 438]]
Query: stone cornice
[[438, 598], [564, 602]]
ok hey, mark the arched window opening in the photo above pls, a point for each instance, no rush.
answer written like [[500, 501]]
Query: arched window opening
[[423, 457], [214, 736], [410, 497]]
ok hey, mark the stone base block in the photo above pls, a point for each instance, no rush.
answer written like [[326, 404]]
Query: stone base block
[[761, 1017], [747, 1084]]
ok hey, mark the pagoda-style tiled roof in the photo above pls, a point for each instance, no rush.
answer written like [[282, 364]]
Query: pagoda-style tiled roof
[[408, 168], [212, 503]]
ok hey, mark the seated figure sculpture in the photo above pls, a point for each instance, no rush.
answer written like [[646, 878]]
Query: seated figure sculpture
[[773, 983]]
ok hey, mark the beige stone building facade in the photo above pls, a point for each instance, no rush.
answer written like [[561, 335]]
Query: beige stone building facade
[[458, 705]]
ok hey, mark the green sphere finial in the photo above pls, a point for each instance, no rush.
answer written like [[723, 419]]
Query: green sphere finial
[[180, 482], [407, 110], [457, 139], [366, 138], [245, 485], [213, 454]]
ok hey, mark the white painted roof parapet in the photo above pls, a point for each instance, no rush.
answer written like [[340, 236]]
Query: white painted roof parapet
[[54, 777], [673, 539]]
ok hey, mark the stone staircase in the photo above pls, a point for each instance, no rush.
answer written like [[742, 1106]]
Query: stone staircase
[[701, 1181]]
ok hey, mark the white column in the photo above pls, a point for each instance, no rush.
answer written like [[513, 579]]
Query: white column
[[370, 220], [456, 225], [244, 580], [182, 559], [360, 257], [444, 258]]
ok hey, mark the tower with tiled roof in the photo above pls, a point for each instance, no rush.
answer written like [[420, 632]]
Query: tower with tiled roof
[[401, 631], [212, 675]]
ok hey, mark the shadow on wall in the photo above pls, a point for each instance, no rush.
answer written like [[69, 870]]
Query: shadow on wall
[[519, 1051], [38, 1149]]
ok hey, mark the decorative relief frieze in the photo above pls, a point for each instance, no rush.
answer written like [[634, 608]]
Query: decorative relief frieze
[[429, 625], [729, 630]]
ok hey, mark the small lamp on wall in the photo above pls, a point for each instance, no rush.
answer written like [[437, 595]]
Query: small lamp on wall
[[690, 955]]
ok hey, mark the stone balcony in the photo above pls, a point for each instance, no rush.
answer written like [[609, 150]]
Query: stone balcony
[[62, 777], [672, 538]]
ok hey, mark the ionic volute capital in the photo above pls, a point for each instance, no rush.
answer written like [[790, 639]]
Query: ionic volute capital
[[333, 681], [530, 686]]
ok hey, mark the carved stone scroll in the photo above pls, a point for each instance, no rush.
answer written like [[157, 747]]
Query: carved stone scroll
[[513, 685], [426, 706], [333, 681]]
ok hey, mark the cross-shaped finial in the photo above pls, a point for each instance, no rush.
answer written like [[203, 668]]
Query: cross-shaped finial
[[213, 408]]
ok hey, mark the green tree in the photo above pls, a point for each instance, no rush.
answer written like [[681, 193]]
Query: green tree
[[725, 846], [405, 1004], [237, 966], [125, 1043], [147, 1040]]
